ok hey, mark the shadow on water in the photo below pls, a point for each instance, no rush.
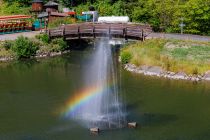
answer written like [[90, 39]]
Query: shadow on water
[[147, 118], [80, 44]]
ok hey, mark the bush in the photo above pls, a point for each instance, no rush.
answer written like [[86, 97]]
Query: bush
[[43, 37], [59, 42], [24, 47], [59, 21], [126, 57], [8, 44]]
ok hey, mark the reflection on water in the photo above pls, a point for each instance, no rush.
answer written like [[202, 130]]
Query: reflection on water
[[31, 93]]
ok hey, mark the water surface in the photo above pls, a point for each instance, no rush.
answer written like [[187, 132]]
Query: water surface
[[32, 93]]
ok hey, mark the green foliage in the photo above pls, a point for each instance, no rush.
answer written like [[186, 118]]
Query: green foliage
[[24, 47], [163, 15], [13, 8], [8, 44], [58, 44], [189, 57], [125, 57], [43, 37], [59, 21]]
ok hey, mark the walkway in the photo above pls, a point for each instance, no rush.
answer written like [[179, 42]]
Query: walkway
[[179, 36], [15, 35]]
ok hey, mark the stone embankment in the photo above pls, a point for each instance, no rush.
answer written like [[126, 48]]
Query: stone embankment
[[50, 54], [38, 55], [159, 72]]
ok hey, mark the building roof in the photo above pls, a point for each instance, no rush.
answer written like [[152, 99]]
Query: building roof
[[51, 3], [46, 14], [34, 1], [42, 15], [58, 14], [14, 17]]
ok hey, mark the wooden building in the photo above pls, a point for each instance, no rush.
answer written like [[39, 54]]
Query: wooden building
[[51, 6], [46, 17], [37, 6]]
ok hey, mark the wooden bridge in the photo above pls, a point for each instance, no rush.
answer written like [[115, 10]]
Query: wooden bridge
[[95, 30]]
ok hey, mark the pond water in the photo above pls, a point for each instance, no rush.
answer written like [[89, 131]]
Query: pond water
[[33, 92]]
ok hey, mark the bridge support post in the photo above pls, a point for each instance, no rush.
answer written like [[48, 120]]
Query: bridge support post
[[125, 34], [142, 35], [78, 32], [94, 35], [49, 35], [110, 33]]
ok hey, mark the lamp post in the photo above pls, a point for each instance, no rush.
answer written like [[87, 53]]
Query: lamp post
[[181, 25]]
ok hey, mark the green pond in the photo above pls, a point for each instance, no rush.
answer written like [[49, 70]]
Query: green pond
[[32, 94]]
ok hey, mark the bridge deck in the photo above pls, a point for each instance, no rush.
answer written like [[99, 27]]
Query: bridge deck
[[93, 30]]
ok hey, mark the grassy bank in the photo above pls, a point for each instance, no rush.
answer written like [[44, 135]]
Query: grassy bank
[[24, 47], [172, 55]]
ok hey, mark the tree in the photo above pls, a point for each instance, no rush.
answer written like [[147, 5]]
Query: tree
[[24, 48]]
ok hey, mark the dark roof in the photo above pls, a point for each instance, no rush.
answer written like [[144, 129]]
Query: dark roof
[[37, 1], [51, 3], [46, 14], [42, 15]]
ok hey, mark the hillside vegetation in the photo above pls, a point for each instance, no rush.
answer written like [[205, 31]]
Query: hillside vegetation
[[172, 55], [163, 15]]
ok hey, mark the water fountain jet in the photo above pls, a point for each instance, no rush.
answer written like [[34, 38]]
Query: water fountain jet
[[99, 105]]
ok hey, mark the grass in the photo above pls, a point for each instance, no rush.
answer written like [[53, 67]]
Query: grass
[[60, 21], [5, 52], [173, 55]]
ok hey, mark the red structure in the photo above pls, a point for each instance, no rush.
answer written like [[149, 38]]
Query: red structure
[[15, 23], [37, 6]]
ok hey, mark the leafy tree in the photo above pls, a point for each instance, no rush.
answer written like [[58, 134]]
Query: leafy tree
[[24, 47], [197, 16]]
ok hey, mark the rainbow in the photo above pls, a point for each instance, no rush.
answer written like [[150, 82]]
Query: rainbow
[[80, 98]]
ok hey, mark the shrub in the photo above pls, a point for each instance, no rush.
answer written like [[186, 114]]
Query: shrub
[[8, 44], [59, 42], [43, 37], [24, 47], [59, 21], [126, 57]]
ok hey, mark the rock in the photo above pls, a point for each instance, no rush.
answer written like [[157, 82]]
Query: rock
[[158, 71], [144, 67], [94, 130], [180, 75], [154, 70], [132, 124], [66, 51], [207, 76], [55, 53]]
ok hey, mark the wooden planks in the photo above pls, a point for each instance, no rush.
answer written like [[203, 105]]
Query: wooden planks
[[84, 30]]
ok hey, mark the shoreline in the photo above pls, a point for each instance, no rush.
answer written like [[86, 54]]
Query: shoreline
[[159, 72], [39, 55]]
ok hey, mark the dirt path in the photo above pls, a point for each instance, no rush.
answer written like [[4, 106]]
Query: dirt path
[[179, 36], [152, 35], [15, 35]]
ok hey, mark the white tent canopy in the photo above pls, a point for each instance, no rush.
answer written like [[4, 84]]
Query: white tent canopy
[[114, 19]]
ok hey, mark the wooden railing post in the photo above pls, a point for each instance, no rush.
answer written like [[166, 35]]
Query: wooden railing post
[[126, 37], [94, 35], [110, 32], [63, 32], [142, 34], [79, 32], [49, 34]]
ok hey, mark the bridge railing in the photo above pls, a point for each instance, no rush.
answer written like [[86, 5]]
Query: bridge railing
[[133, 31]]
